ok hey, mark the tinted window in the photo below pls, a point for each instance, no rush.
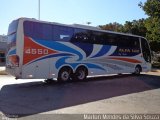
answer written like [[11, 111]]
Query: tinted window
[[47, 32], [62, 33], [122, 41], [28, 29], [81, 35], [38, 30], [112, 39], [128, 41], [135, 42], [96, 38], [108, 39]]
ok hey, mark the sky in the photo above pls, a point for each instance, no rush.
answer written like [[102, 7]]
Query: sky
[[98, 12]]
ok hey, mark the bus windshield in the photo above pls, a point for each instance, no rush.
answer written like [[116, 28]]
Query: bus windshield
[[146, 50]]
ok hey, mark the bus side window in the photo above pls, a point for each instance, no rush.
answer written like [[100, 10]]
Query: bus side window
[[28, 29], [81, 35], [134, 42], [109, 39], [37, 30], [123, 41], [96, 38], [47, 32], [62, 33]]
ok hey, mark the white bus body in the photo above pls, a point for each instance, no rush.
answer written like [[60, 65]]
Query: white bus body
[[43, 50]]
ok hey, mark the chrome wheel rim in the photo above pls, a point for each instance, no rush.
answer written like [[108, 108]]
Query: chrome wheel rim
[[137, 70], [65, 76], [81, 75]]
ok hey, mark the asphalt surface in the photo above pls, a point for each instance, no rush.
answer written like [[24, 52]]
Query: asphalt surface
[[116, 94]]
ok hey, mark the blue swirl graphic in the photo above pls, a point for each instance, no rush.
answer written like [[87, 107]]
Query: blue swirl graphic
[[62, 61], [103, 51], [60, 47], [69, 54]]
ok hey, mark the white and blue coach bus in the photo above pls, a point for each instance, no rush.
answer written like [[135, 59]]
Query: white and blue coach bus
[[45, 50]]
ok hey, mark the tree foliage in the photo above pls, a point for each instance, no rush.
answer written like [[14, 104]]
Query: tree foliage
[[155, 46], [136, 27], [112, 27], [153, 29], [151, 8], [149, 28]]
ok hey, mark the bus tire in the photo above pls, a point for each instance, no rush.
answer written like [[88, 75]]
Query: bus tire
[[81, 73], [64, 74], [138, 70], [48, 81]]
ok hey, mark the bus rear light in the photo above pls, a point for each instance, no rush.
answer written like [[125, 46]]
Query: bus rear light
[[14, 60]]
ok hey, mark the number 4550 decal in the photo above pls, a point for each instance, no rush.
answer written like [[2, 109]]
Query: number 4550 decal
[[33, 51]]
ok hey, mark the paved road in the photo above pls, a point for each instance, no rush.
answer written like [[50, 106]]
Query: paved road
[[110, 94]]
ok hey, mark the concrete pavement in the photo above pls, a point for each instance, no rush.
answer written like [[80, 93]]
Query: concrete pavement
[[102, 95]]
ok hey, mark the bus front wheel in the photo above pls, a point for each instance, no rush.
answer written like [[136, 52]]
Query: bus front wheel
[[138, 70]]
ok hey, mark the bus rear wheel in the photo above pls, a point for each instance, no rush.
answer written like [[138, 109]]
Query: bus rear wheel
[[81, 73], [64, 74]]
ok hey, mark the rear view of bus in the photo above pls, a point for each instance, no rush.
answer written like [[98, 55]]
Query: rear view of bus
[[12, 57]]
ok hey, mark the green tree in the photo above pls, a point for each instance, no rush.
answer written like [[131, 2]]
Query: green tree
[[136, 27], [152, 23], [151, 8], [155, 46], [153, 29], [112, 27]]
